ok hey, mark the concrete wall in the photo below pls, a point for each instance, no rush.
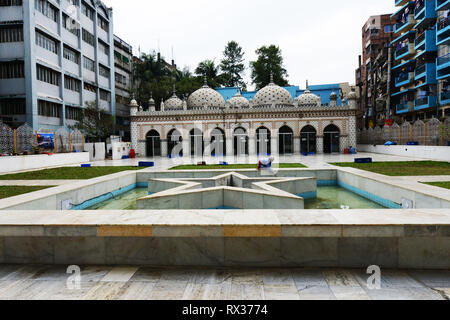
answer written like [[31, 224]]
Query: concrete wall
[[423, 152], [63, 197], [120, 149], [99, 151], [20, 163]]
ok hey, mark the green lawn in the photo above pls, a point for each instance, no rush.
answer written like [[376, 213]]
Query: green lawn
[[402, 168], [445, 184], [11, 191], [66, 173], [232, 166]]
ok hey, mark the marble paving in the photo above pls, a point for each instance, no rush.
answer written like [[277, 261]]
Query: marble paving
[[41, 282]]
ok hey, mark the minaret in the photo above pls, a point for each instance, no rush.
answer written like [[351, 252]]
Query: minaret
[[333, 99], [352, 99], [162, 105], [151, 104], [133, 107]]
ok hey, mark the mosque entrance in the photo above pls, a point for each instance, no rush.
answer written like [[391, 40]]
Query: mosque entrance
[[263, 141], [331, 139], [308, 137], [285, 140], [175, 143], [153, 144], [197, 143], [240, 139], [218, 145]]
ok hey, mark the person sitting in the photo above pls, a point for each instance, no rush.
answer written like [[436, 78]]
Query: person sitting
[[266, 164]]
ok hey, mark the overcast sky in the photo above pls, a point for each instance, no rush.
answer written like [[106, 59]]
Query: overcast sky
[[320, 39]]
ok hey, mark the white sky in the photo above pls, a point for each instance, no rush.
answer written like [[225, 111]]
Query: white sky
[[320, 39]]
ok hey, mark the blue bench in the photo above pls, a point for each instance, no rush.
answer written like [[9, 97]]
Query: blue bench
[[223, 163], [85, 165], [413, 143], [146, 164], [363, 160]]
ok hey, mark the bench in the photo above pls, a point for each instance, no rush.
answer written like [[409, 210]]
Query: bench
[[363, 160]]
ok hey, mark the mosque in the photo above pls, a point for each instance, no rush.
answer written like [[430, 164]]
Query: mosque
[[272, 121]]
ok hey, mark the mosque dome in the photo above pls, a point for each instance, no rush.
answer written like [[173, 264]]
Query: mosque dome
[[173, 103], [271, 94], [238, 101], [352, 95], [205, 96], [333, 96], [308, 99], [134, 103]]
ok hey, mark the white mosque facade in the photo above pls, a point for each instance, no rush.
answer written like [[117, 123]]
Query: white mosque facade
[[270, 123]]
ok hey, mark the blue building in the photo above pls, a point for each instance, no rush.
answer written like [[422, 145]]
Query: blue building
[[323, 91], [54, 57], [422, 68]]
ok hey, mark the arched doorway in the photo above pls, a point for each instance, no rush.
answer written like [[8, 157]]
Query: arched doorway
[[308, 137], [263, 141], [175, 143], [240, 139], [218, 145], [153, 144], [331, 139], [197, 143], [285, 140]]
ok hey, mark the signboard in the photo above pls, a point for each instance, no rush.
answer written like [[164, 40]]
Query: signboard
[[46, 141]]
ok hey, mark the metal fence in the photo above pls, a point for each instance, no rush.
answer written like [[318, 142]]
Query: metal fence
[[429, 133], [24, 140]]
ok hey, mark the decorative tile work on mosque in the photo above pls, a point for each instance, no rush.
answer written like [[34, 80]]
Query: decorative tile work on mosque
[[173, 103], [272, 94], [205, 97]]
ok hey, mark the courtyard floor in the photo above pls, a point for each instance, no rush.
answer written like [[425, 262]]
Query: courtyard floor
[[122, 283]]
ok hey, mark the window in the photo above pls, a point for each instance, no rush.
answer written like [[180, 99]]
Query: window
[[102, 23], [48, 75], [72, 84], [90, 87], [11, 33], [47, 9], [49, 109], [12, 106], [89, 64], [71, 25], [105, 95], [87, 11], [47, 43], [121, 79], [71, 55], [104, 72], [388, 29], [73, 113], [104, 48], [10, 3], [88, 38], [12, 70]]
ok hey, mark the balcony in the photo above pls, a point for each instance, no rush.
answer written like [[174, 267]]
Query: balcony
[[426, 11], [443, 67], [426, 73], [442, 5], [404, 79], [443, 32], [405, 25], [444, 98], [425, 102], [404, 107], [426, 41], [405, 52]]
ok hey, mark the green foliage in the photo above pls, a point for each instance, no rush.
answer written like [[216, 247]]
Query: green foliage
[[445, 184], [66, 173], [208, 69], [270, 60], [95, 123], [11, 191], [402, 168], [232, 65]]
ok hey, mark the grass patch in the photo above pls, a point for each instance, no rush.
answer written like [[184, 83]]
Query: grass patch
[[445, 184], [402, 168], [11, 191], [232, 166], [67, 173]]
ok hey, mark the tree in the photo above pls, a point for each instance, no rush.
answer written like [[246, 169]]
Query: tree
[[232, 64], [95, 123], [270, 61], [208, 69]]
